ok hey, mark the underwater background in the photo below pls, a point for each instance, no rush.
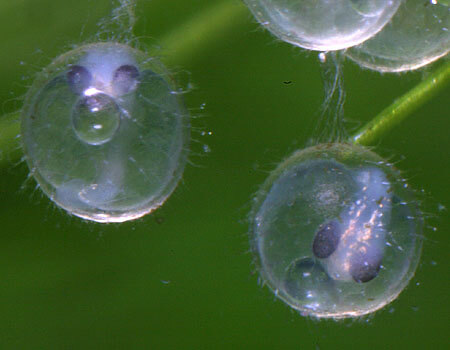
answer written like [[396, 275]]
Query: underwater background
[[182, 277]]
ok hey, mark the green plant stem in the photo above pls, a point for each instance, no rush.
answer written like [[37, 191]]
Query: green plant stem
[[190, 39], [403, 106]]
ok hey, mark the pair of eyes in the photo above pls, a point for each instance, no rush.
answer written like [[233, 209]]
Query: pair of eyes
[[125, 79], [363, 268]]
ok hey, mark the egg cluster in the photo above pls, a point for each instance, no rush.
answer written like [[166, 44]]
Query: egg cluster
[[383, 35], [334, 230]]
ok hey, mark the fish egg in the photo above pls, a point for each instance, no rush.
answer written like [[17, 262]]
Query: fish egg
[[323, 25], [104, 134], [334, 231], [417, 35]]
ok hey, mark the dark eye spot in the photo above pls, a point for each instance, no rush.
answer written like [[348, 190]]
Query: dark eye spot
[[326, 240], [364, 268], [125, 79], [79, 78]]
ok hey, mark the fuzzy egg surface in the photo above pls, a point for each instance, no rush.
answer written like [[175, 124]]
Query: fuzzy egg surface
[[335, 232], [105, 133]]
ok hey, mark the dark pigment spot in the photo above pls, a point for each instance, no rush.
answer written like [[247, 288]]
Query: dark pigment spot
[[326, 240], [78, 78], [126, 78], [364, 268]]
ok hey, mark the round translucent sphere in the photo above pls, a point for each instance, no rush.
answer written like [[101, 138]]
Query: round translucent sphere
[[335, 232], [418, 34], [104, 132], [323, 25]]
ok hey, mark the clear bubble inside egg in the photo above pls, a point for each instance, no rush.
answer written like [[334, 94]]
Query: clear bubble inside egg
[[335, 232], [417, 35], [323, 25], [104, 134]]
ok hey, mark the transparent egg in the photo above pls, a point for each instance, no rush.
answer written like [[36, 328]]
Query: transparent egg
[[335, 232], [104, 132], [323, 25], [418, 34]]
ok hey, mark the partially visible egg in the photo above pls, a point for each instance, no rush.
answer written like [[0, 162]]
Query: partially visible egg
[[323, 25], [417, 35]]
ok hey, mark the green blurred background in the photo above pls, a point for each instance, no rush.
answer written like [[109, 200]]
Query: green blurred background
[[182, 278]]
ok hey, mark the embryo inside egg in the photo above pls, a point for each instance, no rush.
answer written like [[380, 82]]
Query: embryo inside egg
[[335, 232], [103, 133]]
